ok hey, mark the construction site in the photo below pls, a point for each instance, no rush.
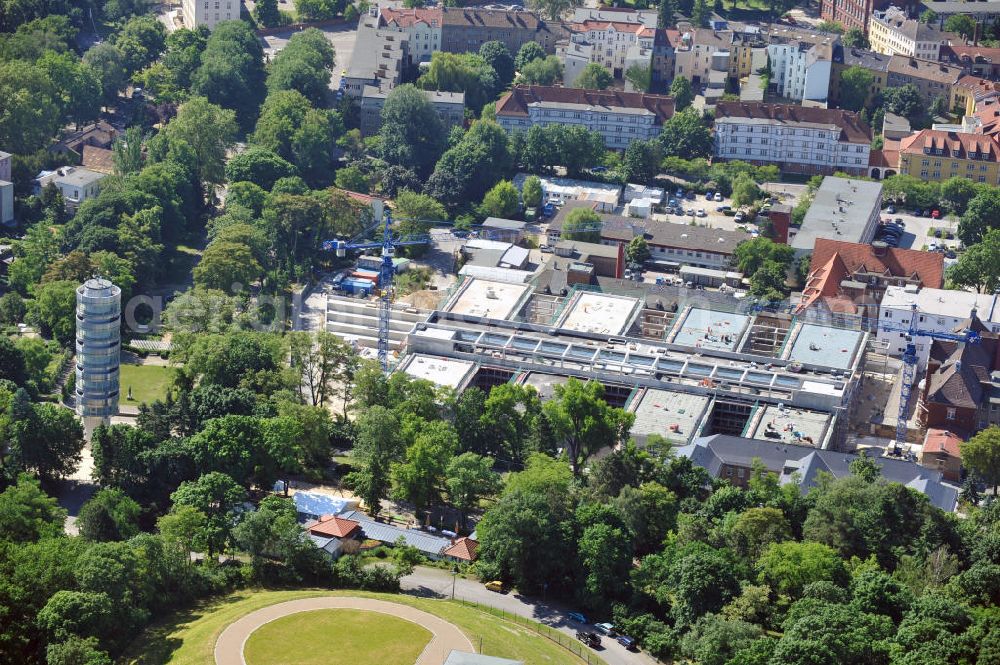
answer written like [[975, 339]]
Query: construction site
[[687, 363]]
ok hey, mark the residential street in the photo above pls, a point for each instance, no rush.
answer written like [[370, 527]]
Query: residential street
[[434, 582]]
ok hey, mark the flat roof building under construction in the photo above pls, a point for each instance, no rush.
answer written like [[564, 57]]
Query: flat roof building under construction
[[588, 311], [673, 415], [710, 329], [487, 299], [522, 346], [446, 372], [822, 345], [791, 425]]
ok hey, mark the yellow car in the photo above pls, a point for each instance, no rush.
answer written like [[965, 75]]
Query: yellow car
[[495, 585]]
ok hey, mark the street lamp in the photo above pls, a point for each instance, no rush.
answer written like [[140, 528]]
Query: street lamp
[[454, 576]]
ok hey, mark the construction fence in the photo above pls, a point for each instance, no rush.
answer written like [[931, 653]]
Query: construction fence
[[568, 642]]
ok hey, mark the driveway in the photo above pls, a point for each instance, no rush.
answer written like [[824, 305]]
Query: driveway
[[437, 583]]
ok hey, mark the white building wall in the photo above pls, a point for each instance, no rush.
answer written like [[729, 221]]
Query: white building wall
[[209, 12], [808, 146]]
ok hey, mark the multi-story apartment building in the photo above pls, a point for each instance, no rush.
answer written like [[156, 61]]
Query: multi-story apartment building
[[857, 13], [620, 117], [609, 42], [208, 13], [697, 51], [973, 93], [851, 277], [797, 139], [801, 63], [933, 79], [467, 28], [893, 32], [938, 155], [979, 61], [422, 28], [450, 107], [845, 57], [378, 58]]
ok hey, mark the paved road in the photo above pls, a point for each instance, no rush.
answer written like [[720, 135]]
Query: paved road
[[229, 647], [434, 582]]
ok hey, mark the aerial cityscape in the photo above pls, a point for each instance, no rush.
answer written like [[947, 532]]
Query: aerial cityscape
[[440, 332]]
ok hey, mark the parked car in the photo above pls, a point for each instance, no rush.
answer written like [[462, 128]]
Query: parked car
[[599, 169], [708, 196], [576, 616], [919, 212], [671, 203], [605, 628], [545, 249], [723, 208], [701, 212], [891, 209], [935, 214], [739, 217], [592, 640], [495, 585], [691, 212], [628, 643], [717, 197], [692, 196], [679, 193], [899, 220], [932, 247], [950, 254], [548, 210]]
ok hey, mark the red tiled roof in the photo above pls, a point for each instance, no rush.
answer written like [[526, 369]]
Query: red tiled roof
[[98, 159], [332, 526], [515, 102], [592, 24], [967, 52], [852, 128], [464, 549], [928, 267], [833, 261], [957, 145], [942, 441], [404, 18], [979, 87]]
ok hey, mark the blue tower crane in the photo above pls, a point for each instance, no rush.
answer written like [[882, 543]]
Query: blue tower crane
[[968, 336], [388, 245]]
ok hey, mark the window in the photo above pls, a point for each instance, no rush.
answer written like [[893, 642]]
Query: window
[[951, 413]]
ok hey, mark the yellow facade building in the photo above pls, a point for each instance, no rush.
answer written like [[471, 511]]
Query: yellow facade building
[[938, 155]]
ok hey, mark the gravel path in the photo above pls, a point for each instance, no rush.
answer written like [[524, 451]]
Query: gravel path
[[229, 647]]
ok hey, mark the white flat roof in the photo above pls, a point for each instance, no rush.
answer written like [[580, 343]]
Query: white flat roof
[[670, 414], [942, 302], [494, 300], [791, 425], [599, 313], [441, 371], [710, 329]]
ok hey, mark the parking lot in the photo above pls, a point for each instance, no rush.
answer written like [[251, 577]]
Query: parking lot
[[917, 230], [342, 37]]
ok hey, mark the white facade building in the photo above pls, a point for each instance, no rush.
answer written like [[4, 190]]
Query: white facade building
[[937, 310], [620, 117], [209, 12], [797, 139], [75, 183], [422, 28], [893, 32], [800, 74]]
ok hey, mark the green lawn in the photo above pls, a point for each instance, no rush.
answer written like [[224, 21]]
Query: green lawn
[[148, 383], [188, 638], [362, 637]]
